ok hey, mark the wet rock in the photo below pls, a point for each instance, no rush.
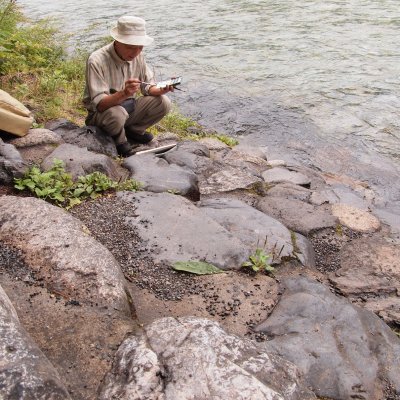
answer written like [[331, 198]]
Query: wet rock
[[188, 358], [279, 175], [79, 161], [296, 215], [62, 253], [228, 179], [25, 372], [158, 176], [370, 276], [251, 226], [333, 343], [11, 163], [93, 138], [356, 219], [181, 232]]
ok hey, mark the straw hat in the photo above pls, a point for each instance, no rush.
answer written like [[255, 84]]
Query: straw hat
[[131, 30]]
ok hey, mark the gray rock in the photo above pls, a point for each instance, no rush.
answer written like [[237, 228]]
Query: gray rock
[[25, 372], [304, 250], [279, 175], [277, 163], [38, 137], [79, 161], [296, 215], [251, 226], [253, 151], [93, 138], [214, 144], [61, 252], [289, 190], [237, 158], [228, 179], [324, 197], [345, 352], [370, 276], [192, 155], [158, 176], [179, 231], [11, 163], [189, 358], [348, 197]]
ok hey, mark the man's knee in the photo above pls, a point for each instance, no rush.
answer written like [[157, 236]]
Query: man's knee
[[165, 104], [113, 119]]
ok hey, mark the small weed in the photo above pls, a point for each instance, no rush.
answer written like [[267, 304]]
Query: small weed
[[57, 186], [260, 261]]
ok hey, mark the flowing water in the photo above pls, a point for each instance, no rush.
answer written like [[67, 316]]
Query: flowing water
[[317, 81]]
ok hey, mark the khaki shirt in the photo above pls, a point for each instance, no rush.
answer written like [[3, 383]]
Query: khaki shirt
[[106, 71]]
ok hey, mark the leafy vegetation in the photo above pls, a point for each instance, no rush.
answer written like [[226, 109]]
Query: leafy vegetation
[[196, 267], [260, 261], [57, 186]]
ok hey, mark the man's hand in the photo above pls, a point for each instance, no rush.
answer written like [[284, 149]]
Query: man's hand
[[156, 91], [131, 87]]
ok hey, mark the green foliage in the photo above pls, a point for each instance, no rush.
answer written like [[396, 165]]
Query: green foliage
[[57, 186], [260, 261], [196, 267]]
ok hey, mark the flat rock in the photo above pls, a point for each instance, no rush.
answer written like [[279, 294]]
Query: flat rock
[[11, 163], [38, 137], [189, 358], [252, 151], [289, 190], [91, 137], [279, 175], [252, 227], [356, 219], [228, 179], [370, 276], [296, 215], [333, 343], [177, 230], [60, 250], [252, 162], [79, 162], [214, 144], [158, 176], [25, 372]]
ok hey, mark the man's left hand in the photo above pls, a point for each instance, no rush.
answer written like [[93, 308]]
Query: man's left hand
[[156, 91]]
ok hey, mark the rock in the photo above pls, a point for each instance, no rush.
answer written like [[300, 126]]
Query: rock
[[324, 197], [179, 231], [252, 151], [236, 158], [251, 226], [279, 175], [344, 351], [356, 219], [93, 138], [289, 190], [81, 162], [158, 176], [296, 215], [11, 163], [214, 144], [228, 179], [348, 197], [370, 276], [276, 163], [25, 372], [189, 358], [304, 250], [60, 251], [38, 137]]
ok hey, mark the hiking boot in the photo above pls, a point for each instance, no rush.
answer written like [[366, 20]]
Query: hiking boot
[[141, 138], [126, 149]]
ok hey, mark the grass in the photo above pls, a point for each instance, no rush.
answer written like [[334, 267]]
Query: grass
[[36, 69]]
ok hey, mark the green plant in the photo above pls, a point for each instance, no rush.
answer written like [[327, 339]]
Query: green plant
[[260, 261], [57, 186]]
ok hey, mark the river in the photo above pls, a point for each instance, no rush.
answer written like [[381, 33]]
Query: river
[[317, 81]]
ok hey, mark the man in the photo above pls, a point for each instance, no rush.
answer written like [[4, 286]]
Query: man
[[115, 75]]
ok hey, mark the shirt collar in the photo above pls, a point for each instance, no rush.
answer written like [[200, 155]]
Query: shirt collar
[[117, 59]]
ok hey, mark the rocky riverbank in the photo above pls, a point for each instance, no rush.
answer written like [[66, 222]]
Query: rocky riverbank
[[91, 307]]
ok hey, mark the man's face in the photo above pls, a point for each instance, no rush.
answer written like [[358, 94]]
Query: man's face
[[126, 51]]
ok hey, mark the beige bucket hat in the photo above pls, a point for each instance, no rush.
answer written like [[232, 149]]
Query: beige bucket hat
[[131, 30]]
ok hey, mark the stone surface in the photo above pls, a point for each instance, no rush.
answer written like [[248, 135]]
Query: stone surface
[[179, 231], [214, 144], [94, 139], [296, 215], [279, 175], [79, 162], [11, 163], [254, 163], [289, 190], [158, 176], [253, 151], [228, 179], [251, 226], [276, 163], [25, 372], [370, 276], [356, 219], [60, 250], [38, 137], [189, 358], [344, 351]]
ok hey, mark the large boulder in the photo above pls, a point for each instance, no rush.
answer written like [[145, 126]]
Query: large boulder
[[189, 358], [344, 351], [177, 230], [279, 175], [11, 163], [25, 373], [61, 252]]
